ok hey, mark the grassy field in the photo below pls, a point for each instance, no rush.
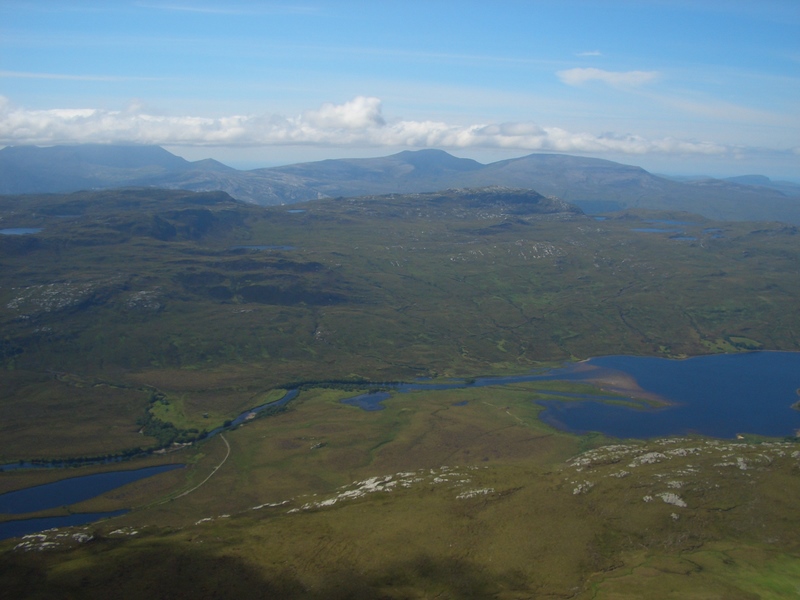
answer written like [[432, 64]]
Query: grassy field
[[469, 501], [139, 307]]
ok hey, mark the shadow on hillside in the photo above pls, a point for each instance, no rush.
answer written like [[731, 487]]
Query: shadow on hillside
[[170, 571]]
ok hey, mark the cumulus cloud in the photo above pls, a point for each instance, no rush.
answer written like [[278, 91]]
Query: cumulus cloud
[[580, 76], [359, 113], [356, 123]]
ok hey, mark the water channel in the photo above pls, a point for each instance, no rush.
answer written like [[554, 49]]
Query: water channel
[[64, 493], [20, 230], [722, 395]]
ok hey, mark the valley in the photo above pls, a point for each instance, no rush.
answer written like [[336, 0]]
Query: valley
[[399, 301], [136, 320]]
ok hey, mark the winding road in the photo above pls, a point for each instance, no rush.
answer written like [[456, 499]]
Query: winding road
[[181, 495]]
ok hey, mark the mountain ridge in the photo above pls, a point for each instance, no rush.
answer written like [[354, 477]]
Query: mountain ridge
[[594, 184]]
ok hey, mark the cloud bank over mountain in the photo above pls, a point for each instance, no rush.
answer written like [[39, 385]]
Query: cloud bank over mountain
[[357, 122], [684, 87]]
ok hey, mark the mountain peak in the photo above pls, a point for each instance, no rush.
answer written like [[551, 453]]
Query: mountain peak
[[594, 184], [750, 179], [430, 160], [107, 155]]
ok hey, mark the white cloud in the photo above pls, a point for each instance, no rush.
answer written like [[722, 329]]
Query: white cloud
[[580, 76], [356, 123], [361, 112], [589, 53]]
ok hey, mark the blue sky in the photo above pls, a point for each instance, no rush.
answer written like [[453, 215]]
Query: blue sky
[[676, 86]]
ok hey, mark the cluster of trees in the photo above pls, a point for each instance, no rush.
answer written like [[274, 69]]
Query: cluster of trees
[[342, 384], [79, 461], [164, 432]]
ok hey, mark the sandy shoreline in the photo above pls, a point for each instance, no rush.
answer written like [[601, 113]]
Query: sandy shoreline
[[618, 382]]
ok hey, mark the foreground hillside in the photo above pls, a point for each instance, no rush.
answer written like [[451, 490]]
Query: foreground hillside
[[660, 520], [138, 318]]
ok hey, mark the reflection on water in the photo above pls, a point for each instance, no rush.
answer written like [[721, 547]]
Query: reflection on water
[[721, 395], [20, 230], [260, 247], [371, 401], [22, 527], [669, 222], [63, 494], [73, 490]]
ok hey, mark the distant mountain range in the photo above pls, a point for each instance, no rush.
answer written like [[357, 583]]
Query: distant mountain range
[[593, 184]]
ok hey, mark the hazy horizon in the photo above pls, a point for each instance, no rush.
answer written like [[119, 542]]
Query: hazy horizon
[[679, 88], [304, 155]]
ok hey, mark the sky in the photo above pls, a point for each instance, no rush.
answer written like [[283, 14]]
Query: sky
[[675, 86]]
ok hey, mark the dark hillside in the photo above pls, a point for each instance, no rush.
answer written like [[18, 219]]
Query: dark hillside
[[71, 168], [419, 171]]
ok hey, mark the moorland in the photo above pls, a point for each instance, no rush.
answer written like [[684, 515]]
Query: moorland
[[138, 319]]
